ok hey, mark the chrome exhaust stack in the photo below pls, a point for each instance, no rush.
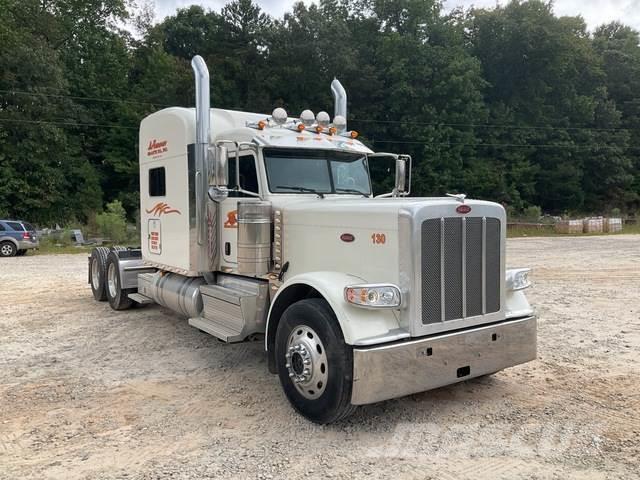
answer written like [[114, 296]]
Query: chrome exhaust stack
[[340, 100], [201, 180]]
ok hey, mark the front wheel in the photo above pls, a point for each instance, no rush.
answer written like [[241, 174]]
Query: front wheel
[[314, 363]]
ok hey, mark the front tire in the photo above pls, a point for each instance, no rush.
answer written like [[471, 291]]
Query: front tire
[[7, 249], [117, 296], [314, 363]]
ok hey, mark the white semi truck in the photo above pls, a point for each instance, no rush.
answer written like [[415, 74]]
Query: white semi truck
[[256, 225]]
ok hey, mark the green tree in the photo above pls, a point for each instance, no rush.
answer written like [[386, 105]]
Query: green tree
[[112, 222]]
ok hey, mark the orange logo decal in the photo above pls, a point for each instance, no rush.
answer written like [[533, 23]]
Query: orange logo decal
[[160, 208], [232, 219], [156, 147]]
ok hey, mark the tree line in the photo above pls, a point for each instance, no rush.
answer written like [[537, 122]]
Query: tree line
[[512, 104]]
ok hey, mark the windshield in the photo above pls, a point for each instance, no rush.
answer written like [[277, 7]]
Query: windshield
[[316, 171]]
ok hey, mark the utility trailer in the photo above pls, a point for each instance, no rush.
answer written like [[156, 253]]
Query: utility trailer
[[265, 225]]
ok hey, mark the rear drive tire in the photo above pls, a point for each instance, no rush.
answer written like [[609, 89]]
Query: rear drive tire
[[117, 296], [314, 363], [8, 249], [97, 272]]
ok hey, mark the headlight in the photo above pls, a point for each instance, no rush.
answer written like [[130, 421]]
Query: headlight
[[374, 296], [518, 278]]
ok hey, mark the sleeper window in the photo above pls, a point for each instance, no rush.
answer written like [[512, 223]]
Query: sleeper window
[[157, 182]]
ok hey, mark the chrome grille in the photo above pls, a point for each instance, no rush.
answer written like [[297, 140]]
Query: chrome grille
[[460, 268]]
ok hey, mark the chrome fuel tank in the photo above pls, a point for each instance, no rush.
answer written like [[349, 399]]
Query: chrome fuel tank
[[173, 291], [254, 237]]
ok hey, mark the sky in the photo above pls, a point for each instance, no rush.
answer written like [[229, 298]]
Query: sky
[[595, 12]]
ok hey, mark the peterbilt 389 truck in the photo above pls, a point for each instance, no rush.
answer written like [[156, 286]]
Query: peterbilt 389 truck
[[264, 226]]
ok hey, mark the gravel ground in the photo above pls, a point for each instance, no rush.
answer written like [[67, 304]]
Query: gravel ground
[[86, 392]]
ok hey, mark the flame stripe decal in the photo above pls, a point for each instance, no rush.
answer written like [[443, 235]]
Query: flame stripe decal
[[162, 208]]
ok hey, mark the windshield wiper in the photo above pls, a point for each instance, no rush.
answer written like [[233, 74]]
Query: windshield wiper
[[352, 190], [302, 189]]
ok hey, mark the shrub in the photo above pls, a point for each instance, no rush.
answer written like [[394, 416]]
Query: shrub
[[532, 213], [112, 223]]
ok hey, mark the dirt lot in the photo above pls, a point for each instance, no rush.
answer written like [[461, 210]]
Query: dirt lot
[[86, 392]]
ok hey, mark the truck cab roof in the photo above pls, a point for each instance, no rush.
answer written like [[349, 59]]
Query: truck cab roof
[[234, 126]]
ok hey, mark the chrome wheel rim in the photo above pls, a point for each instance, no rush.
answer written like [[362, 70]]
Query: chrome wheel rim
[[111, 280], [95, 273], [6, 250], [306, 361]]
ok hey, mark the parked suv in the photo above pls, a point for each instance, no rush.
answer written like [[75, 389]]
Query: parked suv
[[16, 237]]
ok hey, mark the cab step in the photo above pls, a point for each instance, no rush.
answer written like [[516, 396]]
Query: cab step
[[141, 299]]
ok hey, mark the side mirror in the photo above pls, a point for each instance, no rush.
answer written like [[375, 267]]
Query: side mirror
[[401, 173], [403, 176], [220, 167]]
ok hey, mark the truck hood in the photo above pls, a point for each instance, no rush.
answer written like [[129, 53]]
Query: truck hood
[[362, 236], [368, 213]]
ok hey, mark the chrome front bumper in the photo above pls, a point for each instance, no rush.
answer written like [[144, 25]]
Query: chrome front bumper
[[402, 368]]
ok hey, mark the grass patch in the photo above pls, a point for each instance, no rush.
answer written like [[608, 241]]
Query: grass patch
[[59, 249]]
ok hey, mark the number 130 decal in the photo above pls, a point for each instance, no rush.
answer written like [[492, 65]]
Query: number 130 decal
[[378, 238]]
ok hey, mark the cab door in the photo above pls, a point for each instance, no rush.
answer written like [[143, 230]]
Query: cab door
[[229, 206]]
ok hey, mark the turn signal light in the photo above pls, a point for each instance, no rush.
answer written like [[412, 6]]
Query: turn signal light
[[373, 296], [318, 129], [518, 279], [261, 124], [300, 127], [332, 130], [353, 134]]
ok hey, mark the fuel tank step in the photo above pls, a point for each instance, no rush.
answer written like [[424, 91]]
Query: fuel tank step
[[216, 329], [233, 309]]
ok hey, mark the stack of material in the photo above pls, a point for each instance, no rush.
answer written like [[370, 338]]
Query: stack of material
[[593, 225], [613, 225], [569, 226]]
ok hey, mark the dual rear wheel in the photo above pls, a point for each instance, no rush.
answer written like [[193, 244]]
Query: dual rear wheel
[[104, 276]]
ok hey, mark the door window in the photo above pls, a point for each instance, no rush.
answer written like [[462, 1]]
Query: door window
[[248, 175]]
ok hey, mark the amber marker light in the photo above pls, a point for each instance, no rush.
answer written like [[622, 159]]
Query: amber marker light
[[300, 127], [332, 130], [353, 134], [318, 129], [261, 124]]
